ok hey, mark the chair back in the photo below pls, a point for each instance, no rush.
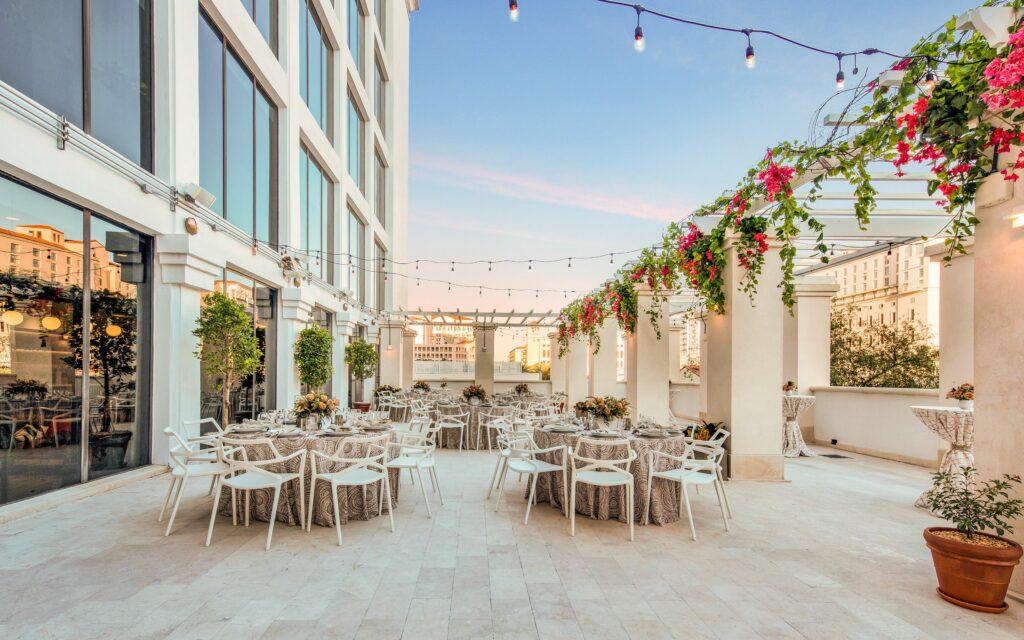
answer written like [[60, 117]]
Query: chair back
[[606, 464]]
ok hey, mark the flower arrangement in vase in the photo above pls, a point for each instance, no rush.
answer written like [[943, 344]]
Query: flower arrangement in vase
[[522, 389], [385, 388], [603, 408], [474, 394], [789, 388], [964, 395], [421, 386], [316, 406]]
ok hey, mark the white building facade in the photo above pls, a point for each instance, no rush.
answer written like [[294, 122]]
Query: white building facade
[[120, 120]]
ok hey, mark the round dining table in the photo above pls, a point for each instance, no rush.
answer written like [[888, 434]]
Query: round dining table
[[450, 437], [608, 503], [353, 502]]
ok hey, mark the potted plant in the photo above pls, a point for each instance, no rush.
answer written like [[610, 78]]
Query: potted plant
[[789, 388], [522, 389], [422, 386], [964, 396], [973, 567], [474, 394], [313, 357], [228, 347], [361, 358], [704, 431], [314, 408]]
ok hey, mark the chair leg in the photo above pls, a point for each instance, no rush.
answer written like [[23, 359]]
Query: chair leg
[[689, 514], [177, 501], [213, 516], [234, 509], [337, 511], [309, 512], [501, 485], [572, 511], [650, 496], [247, 493], [213, 481], [167, 498], [273, 515], [529, 501], [721, 483], [387, 496], [302, 501], [433, 475], [423, 490], [565, 493], [629, 509], [494, 475], [721, 506]]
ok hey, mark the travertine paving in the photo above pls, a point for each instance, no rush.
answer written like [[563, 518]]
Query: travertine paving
[[837, 552]]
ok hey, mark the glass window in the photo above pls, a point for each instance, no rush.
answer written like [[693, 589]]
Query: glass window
[[43, 347], [315, 219], [315, 59], [356, 143], [355, 33], [237, 138], [380, 9], [264, 14], [380, 88], [253, 394], [356, 255], [381, 278], [42, 55], [380, 184]]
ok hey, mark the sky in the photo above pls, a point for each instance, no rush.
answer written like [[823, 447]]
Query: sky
[[551, 137]]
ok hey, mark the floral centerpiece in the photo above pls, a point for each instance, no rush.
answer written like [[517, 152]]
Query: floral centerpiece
[[474, 394], [789, 388], [603, 407], [315, 406], [705, 430], [385, 388], [421, 386], [964, 395], [522, 389]]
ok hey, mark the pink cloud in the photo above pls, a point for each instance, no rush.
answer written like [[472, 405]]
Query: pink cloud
[[517, 184]]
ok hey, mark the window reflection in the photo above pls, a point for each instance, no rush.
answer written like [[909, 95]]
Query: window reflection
[[315, 220]]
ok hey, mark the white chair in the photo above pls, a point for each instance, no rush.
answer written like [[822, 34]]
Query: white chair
[[716, 442], [249, 475], [458, 421], [504, 435], [488, 422], [187, 460], [357, 472], [416, 453], [689, 472], [522, 458], [602, 473]]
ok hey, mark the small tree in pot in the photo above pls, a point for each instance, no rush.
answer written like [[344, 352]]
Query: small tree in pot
[[361, 358], [973, 567], [313, 357], [227, 344]]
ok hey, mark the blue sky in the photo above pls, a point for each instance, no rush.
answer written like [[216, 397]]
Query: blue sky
[[552, 137]]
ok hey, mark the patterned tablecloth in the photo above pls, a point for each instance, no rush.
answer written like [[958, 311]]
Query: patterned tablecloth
[[955, 426], [608, 503], [353, 503], [450, 437], [793, 445]]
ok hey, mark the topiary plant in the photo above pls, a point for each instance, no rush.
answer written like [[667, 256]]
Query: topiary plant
[[361, 358], [227, 344], [313, 357]]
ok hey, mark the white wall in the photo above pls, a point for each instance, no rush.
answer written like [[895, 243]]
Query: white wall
[[876, 422], [684, 400]]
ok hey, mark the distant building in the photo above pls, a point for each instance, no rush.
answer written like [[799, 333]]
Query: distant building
[[885, 285], [446, 343], [518, 354]]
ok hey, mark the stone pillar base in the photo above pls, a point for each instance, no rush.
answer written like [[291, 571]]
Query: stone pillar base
[[756, 467]]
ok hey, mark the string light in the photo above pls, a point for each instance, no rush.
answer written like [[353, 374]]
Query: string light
[[929, 79], [638, 33], [488, 266], [570, 263], [529, 266], [453, 265], [840, 76], [611, 259], [513, 10], [751, 61]]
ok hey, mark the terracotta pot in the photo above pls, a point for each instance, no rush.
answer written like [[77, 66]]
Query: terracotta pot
[[970, 575], [361, 406]]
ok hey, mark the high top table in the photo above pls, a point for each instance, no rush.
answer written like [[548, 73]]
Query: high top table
[[793, 445], [955, 426]]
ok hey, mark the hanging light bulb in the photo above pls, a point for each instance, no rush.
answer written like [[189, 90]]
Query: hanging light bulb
[[12, 317], [530, 265], [513, 10], [453, 265], [481, 291], [510, 293], [488, 266], [929, 82], [536, 294], [50, 323], [570, 263], [751, 61], [611, 259], [417, 265], [638, 33], [113, 330], [840, 76]]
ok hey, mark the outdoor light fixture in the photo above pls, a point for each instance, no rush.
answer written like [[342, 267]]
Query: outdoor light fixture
[[840, 80], [929, 82], [750, 51], [12, 317], [113, 330], [50, 323], [194, 193], [513, 10]]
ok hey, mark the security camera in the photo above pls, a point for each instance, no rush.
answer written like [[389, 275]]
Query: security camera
[[199, 195]]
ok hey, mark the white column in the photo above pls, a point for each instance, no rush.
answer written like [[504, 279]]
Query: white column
[[344, 329], [956, 318], [647, 389], [704, 369], [557, 366], [807, 354], [603, 364], [675, 374], [576, 386], [184, 278], [391, 353], [295, 315], [744, 370], [484, 367], [408, 353], [998, 347]]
